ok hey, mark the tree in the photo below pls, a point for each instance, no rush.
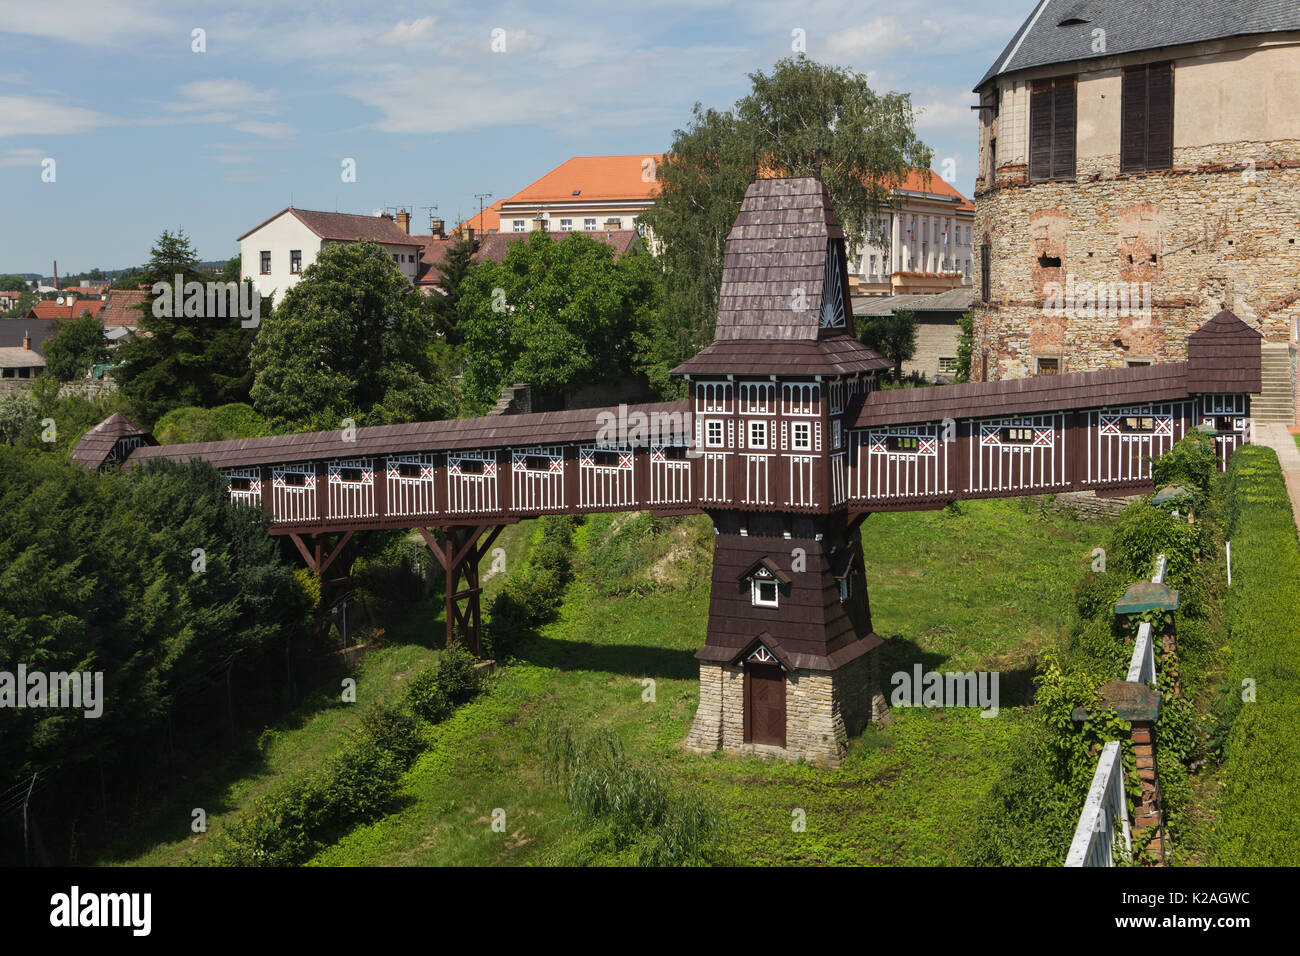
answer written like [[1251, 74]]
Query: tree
[[445, 305], [12, 282], [558, 315], [893, 336], [19, 421], [803, 119], [185, 360], [350, 340], [76, 346], [965, 346], [24, 305]]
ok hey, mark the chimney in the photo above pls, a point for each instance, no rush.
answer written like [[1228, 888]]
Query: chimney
[[469, 235], [437, 227], [404, 221], [56, 275], [27, 340]]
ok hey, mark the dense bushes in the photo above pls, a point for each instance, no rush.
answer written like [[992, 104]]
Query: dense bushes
[[640, 553], [1259, 821], [290, 824], [532, 592]]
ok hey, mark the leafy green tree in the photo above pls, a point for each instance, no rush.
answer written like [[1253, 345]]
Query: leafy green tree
[[893, 336], [350, 340], [804, 118], [11, 282], [559, 315], [185, 360], [76, 346], [225, 423], [23, 305], [965, 346], [19, 421], [445, 305]]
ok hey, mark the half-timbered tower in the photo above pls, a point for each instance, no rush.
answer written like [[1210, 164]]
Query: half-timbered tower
[[787, 660], [784, 441]]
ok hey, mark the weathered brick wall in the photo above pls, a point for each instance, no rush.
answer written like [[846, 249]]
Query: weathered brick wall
[[1222, 226]]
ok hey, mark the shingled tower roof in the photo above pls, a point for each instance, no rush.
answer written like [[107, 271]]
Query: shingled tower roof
[[1223, 355], [97, 446], [784, 298]]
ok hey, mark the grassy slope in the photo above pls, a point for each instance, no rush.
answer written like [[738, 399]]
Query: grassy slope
[[978, 591], [981, 591]]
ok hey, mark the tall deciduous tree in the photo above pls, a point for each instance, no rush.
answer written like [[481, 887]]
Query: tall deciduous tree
[[558, 315], [351, 339], [184, 360], [804, 118], [893, 336]]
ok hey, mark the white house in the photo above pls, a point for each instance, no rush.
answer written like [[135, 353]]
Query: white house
[[274, 254]]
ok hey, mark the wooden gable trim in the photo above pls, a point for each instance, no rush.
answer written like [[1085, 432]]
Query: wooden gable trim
[[768, 564]]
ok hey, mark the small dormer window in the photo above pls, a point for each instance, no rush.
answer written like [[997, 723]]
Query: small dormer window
[[765, 591]]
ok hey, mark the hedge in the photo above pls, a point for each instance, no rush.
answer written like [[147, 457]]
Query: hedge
[[1259, 819]]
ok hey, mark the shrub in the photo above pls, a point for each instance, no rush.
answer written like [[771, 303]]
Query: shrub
[[457, 676], [426, 697], [394, 731]]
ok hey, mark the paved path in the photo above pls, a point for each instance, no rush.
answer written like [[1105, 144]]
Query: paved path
[[1281, 441]]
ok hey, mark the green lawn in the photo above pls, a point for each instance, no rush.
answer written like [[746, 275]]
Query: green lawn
[[980, 590]]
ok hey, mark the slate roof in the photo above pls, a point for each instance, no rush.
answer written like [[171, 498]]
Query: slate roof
[[21, 358], [97, 444], [953, 300], [496, 431], [13, 330], [344, 227], [1133, 25]]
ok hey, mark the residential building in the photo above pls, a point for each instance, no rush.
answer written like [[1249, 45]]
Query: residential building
[[21, 362], [937, 331], [121, 308], [274, 254], [1139, 171], [585, 194], [9, 300], [929, 232]]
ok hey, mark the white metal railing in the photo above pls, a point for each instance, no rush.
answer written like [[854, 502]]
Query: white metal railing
[[1106, 802], [1106, 805]]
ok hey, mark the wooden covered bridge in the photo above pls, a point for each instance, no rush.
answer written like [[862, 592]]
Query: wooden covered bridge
[[786, 442]]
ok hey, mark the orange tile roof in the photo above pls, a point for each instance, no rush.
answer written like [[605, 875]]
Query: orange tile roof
[[595, 178], [52, 310], [915, 182], [489, 220]]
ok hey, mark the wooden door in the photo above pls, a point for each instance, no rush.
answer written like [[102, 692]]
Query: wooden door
[[764, 704]]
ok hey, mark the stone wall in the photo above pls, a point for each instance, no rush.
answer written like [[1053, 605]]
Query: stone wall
[[822, 709], [87, 388], [1218, 229]]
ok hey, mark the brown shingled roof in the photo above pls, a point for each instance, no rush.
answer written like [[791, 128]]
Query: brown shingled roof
[[344, 227], [1026, 396], [494, 431], [1223, 355], [841, 355], [97, 444], [120, 308]]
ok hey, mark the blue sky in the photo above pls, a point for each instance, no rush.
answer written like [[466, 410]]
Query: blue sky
[[147, 134]]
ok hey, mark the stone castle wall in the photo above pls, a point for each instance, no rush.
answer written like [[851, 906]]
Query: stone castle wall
[[1222, 227]]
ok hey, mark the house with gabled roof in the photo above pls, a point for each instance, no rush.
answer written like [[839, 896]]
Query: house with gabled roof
[[274, 253]]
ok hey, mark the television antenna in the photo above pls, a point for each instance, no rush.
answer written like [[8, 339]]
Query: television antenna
[[481, 197]]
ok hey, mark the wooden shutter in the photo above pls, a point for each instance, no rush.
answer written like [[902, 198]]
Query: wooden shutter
[[1133, 121], [1063, 133], [1160, 116], [1040, 131]]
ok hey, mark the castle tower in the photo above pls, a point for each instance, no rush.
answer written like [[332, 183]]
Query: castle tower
[[789, 664]]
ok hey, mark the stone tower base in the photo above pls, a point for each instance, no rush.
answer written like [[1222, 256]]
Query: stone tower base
[[822, 710]]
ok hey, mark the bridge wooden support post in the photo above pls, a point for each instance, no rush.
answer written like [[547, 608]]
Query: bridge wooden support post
[[321, 556], [459, 555]]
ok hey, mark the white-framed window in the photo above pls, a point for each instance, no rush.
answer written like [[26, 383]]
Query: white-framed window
[[757, 434], [589, 224], [765, 593], [837, 434], [713, 433], [802, 436], [566, 225], [520, 225]]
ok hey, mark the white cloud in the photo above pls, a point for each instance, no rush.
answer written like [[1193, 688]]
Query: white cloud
[[266, 129], [223, 95], [25, 156], [100, 23], [27, 115], [947, 115], [404, 32]]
